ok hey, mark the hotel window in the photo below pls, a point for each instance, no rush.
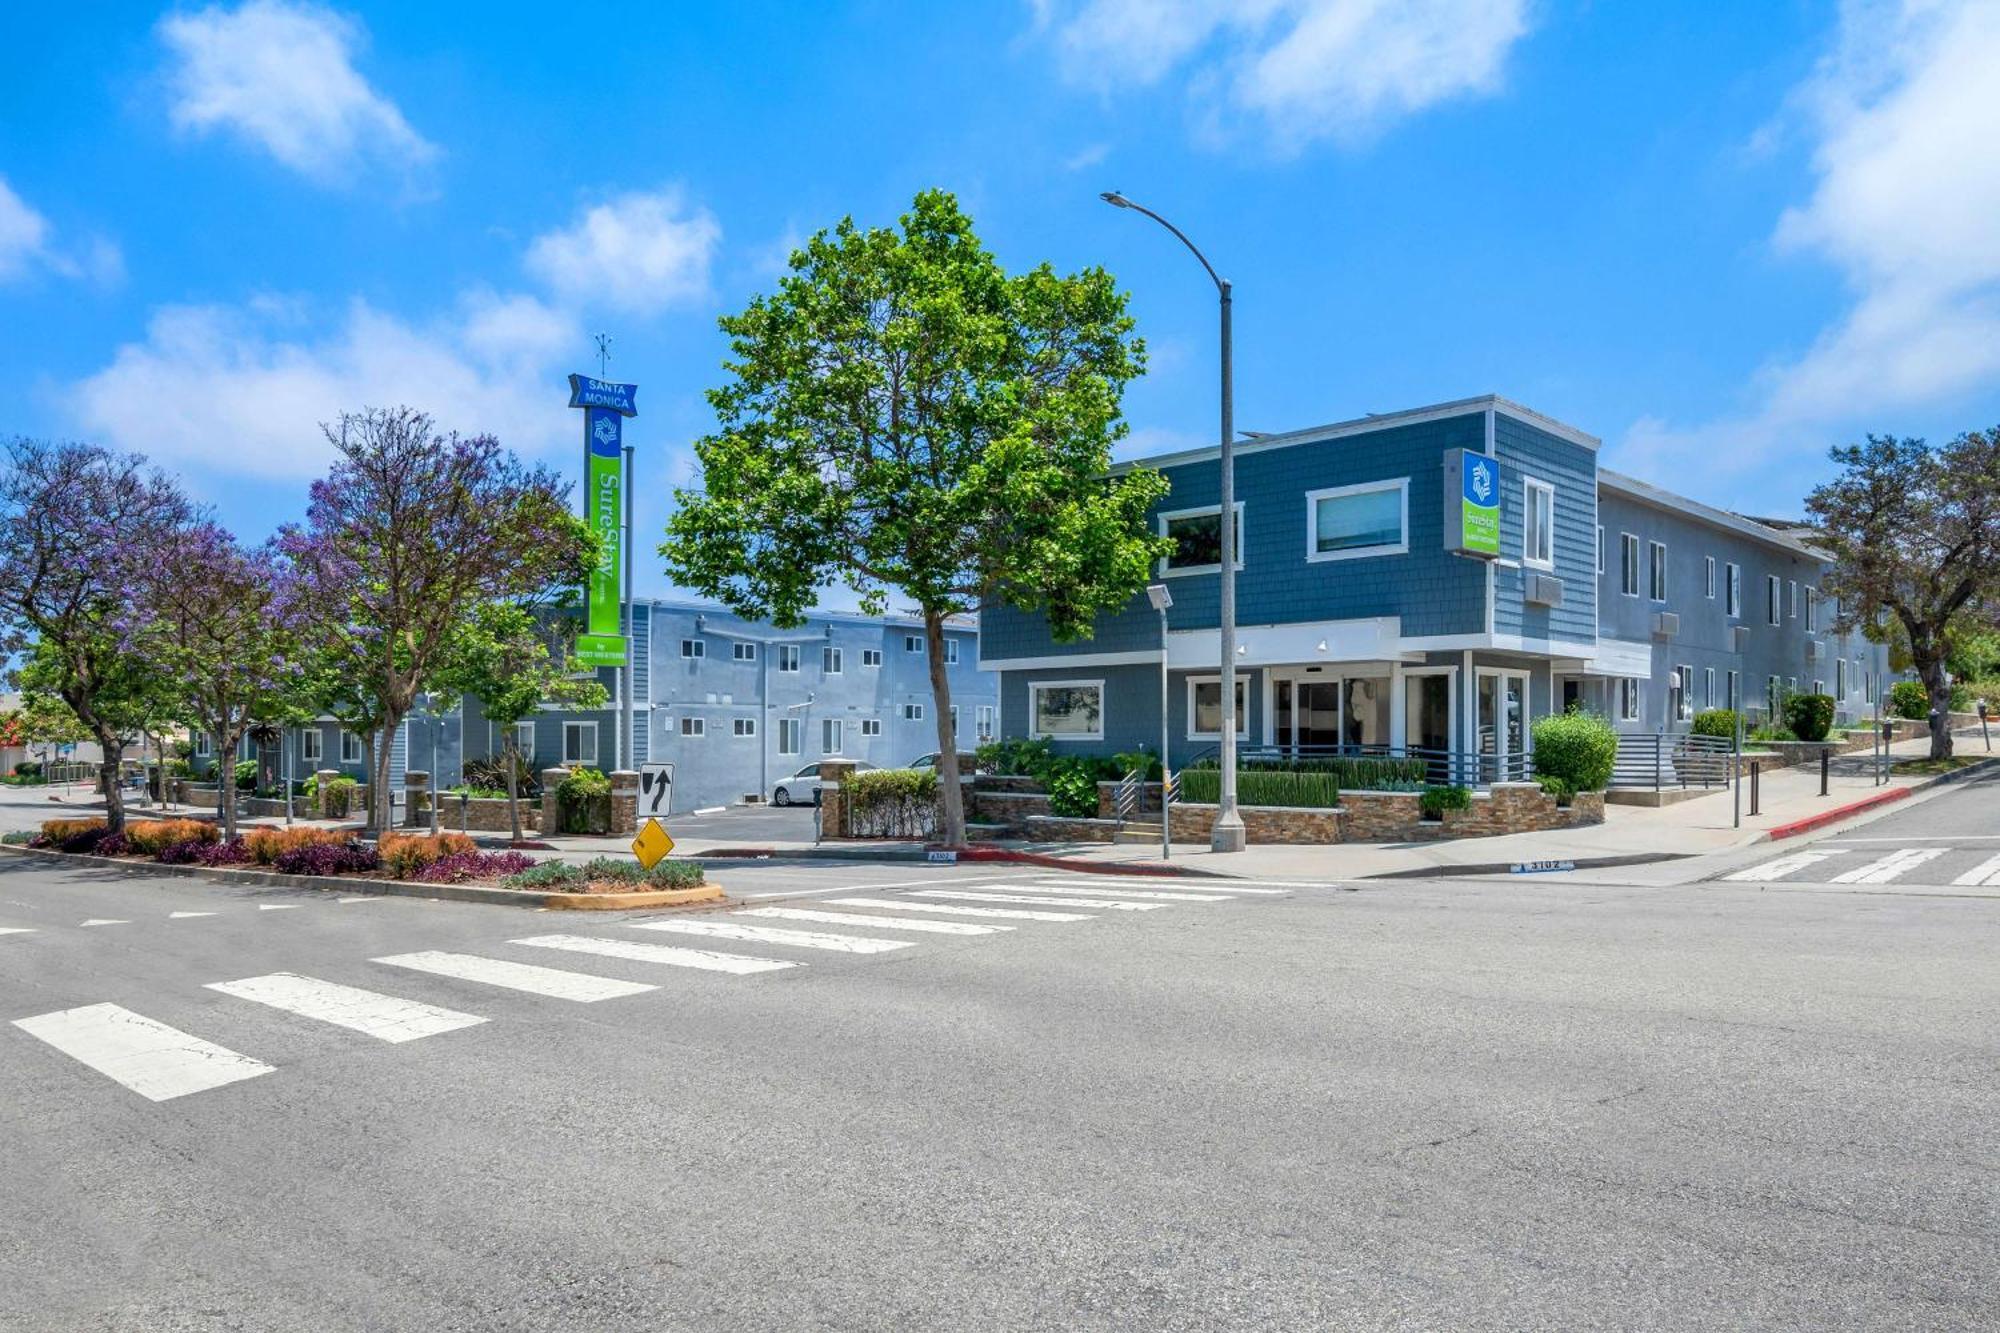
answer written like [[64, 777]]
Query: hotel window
[[984, 719], [913, 712], [1628, 569], [743, 652], [1197, 538], [1793, 605], [1729, 685], [1708, 575], [694, 726], [829, 661], [1657, 560], [954, 720], [1628, 699], [913, 643], [693, 648], [744, 726], [1071, 710], [1680, 681], [1773, 693], [829, 736], [309, 745], [871, 726], [1812, 610], [1600, 548], [871, 657], [1732, 590], [788, 735], [1204, 707], [1538, 524], [788, 657], [1819, 687], [1773, 606], [1350, 522], [951, 652], [350, 748], [1708, 687], [580, 742]]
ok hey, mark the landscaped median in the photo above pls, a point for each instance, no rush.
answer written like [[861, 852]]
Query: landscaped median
[[446, 865]]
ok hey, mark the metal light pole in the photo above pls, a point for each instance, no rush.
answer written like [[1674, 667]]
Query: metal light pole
[[1228, 834], [1161, 598]]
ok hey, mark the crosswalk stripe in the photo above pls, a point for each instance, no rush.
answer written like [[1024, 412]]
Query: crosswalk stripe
[[155, 1061], [872, 922], [1894, 865], [1986, 872], [739, 964], [1198, 885], [1010, 913], [104, 921], [553, 982], [1105, 904], [382, 1016], [17, 930], [277, 907], [182, 916], [1779, 868], [802, 939], [1157, 895]]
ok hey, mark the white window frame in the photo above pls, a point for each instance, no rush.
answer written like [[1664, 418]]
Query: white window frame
[[1732, 590], [312, 746], [951, 651], [832, 736], [913, 712], [831, 660], [1774, 600], [1731, 695], [574, 755], [1686, 673], [1840, 678], [1401, 485], [1792, 602], [913, 643], [1165, 517], [1036, 687], [693, 726], [1628, 564], [351, 749], [743, 726], [743, 650], [1629, 708], [871, 726], [1812, 610], [871, 657], [1708, 575], [524, 739], [983, 719], [789, 735], [1242, 712], [1708, 687], [788, 657], [694, 648], [1656, 572], [1532, 487]]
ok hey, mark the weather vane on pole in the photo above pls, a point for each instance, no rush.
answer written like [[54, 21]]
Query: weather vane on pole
[[603, 353]]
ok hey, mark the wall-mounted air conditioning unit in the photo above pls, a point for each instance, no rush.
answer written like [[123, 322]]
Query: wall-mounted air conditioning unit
[[1739, 639], [1666, 624], [1543, 590], [1815, 651]]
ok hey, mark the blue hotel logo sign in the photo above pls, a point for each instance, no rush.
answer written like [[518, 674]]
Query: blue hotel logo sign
[[1471, 504]]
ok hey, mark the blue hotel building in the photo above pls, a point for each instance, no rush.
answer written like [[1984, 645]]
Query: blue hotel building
[[1360, 626]]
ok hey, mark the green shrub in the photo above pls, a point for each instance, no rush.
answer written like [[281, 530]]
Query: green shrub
[[1144, 760], [1349, 773], [246, 774], [568, 877], [19, 837], [1580, 748], [1436, 800], [1072, 786], [1809, 715], [1770, 732], [1015, 758], [1909, 699], [340, 794], [1256, 786], [583, 801], [1716, 722], [1557, 787], [891, 803], [28, 768]]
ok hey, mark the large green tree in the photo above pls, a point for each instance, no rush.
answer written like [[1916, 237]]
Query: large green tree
[[905, 417], [1915, 534]]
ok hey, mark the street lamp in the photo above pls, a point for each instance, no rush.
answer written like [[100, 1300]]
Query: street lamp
[[1161, 598], [1228, 834]]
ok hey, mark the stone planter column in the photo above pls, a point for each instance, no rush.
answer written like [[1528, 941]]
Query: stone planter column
[[322, 778], [625, 802], [551, 809], [416, 799], [833, 774]]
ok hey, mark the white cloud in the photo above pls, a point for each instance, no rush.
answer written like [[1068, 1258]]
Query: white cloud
[[25, 246], [639, 253], [235, 391], [1903, 123], [282, 75], [1300, 70]]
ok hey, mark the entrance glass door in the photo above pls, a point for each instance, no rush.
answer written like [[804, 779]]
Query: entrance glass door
[[1503, 706], [1317, 714]]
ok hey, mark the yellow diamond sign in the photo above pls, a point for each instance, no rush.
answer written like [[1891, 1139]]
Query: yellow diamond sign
[[652, 844]]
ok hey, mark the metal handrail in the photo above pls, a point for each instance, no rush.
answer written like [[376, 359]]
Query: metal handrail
[[1440, 767], [1664, 759], [1126, 797]]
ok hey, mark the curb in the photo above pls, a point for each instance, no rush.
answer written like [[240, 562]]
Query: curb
[[388, 888], [1879, 799], [1507, 867], [964, 856]]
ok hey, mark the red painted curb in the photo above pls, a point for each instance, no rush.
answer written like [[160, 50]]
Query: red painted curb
[[1838, 813]]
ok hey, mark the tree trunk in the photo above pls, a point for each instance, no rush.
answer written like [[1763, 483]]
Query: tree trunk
[[114, 796], [225, 790], [513, 788], [951, 800], [380, 783], [1940, 696]]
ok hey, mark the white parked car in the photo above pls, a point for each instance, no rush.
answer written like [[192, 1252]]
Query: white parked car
[[802, 787]]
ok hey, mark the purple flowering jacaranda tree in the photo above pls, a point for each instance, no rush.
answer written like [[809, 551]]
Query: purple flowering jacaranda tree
[[410, 531]]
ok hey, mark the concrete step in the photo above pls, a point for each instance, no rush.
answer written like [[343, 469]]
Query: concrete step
[[1137, 833]]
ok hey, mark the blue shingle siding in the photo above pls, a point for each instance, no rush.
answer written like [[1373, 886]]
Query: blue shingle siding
[[1528, 451]]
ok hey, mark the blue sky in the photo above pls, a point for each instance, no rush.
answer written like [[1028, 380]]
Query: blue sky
[[1721, 237]]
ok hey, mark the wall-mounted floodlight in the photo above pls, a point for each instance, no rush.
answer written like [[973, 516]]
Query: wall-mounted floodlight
[[1159, 595]]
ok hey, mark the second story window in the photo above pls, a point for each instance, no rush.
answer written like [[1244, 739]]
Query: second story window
[[693, 648], [913, 643], [1538, 524], [1197, 538], [829, 661], [1812, 610], [871, 657], [1628, 566], [1773, 605], [743, 652], [1657, 558], [951, 652], [1708, 576], [1732, 592], [1353, 522], [694, 726], [788, 657]]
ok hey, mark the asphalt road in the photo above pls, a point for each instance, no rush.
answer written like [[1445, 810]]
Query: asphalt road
[[1500, 1104], [1948, 842]]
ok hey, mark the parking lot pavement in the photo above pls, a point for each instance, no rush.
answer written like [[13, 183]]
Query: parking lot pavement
[[746, 825]]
